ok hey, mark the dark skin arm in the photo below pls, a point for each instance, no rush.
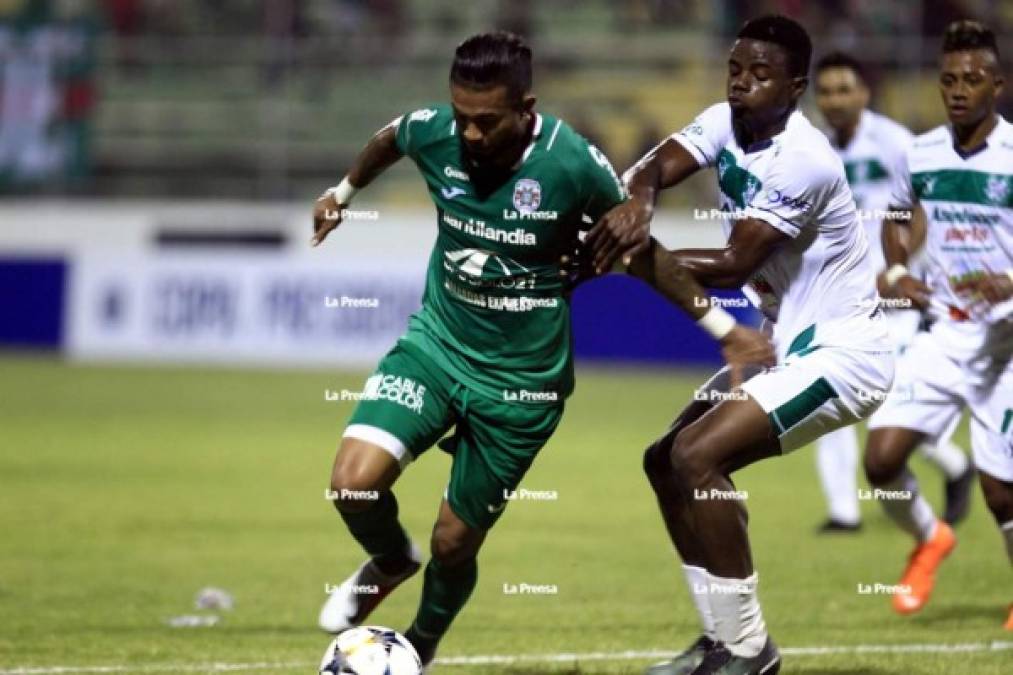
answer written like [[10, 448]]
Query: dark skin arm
[[900, 237], [380, 153], [680, 275], [624, 231]]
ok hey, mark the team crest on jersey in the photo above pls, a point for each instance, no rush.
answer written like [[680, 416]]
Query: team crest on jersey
[[527, 195], [997, 189], [752, 187]]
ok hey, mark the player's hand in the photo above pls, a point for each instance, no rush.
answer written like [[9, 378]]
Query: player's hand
[[326, 217], [575, 266], [621, 233], [992, 288], [912, 289], [744, 346]]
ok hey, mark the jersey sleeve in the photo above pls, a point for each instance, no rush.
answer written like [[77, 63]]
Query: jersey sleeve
[[902, 194], [793, 191], [602, 188], [415, 128], [707, 134]]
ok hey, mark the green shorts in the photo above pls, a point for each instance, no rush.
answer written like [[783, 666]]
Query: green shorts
[[409, 403]]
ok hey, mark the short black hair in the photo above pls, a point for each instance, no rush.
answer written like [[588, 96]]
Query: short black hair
[[489, 60], [966, 35], [842, 60], [787, 34]]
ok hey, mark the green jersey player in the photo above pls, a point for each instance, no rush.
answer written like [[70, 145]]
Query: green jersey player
[[489, 352]]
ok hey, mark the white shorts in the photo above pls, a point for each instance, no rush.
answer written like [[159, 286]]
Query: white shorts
[[933, 388], [820, 390], [903, 325]]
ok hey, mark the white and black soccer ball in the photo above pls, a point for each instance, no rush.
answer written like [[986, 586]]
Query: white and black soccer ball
[[370, 650]]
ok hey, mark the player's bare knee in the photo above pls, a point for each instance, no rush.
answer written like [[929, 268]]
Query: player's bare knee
[[451, 546], [689, 460], [656, 459], [352, 489], [880, 467]]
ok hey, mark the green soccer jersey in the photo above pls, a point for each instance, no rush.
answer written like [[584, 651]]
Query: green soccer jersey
[[493, 313]]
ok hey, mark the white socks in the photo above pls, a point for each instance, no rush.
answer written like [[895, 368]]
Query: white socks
[[696, 579], [738, 621], [950, 458], [1007, 535], [837, 461], [908, 508]]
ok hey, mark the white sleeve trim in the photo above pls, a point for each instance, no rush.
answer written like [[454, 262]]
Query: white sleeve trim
[[691, 148], [772, 219], [382, 438]]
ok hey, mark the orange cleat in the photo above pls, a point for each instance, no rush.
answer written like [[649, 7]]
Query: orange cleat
[[920, 575], [1009, 620]]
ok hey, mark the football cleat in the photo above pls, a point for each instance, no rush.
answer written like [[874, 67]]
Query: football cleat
[[833, 526], [920, 575], [351, 602], [684, 663], [720, 661]]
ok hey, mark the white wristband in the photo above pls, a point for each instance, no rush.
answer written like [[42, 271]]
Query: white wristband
[[343, 192], [717, 322], [894, 274], [1009, 273]]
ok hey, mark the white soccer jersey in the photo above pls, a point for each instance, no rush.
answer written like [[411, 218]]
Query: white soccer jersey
[[872, 159], [968, 203], [819, 288]]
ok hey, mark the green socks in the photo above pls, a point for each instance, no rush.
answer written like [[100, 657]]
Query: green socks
[[378, 531], [443, 595]]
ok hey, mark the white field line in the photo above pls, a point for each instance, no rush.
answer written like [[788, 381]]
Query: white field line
[[493, 659]]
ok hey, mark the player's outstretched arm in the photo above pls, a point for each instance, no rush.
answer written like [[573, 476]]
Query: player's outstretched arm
[[739, 345], [902, 234], [380, 152], [623, 232]]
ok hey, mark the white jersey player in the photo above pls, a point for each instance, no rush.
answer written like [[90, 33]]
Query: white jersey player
[[873, 148], [961, 175], [795, 246]]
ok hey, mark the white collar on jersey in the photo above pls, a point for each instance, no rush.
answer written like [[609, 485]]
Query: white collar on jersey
[[531, 146]]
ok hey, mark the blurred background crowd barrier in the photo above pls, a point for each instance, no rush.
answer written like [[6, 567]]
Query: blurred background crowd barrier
[[158, 158]]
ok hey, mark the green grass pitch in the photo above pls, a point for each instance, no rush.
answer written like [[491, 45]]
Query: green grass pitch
[[124, 490]]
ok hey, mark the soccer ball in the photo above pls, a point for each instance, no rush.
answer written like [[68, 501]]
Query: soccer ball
[[370, 650]]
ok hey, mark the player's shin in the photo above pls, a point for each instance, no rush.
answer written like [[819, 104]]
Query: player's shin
[[445, 591], [837, 461], [379, 532], [907, 507]]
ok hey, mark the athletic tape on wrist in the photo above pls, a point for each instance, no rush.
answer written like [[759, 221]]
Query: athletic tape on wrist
[[717, 322], [343, 192], [894, 274]]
